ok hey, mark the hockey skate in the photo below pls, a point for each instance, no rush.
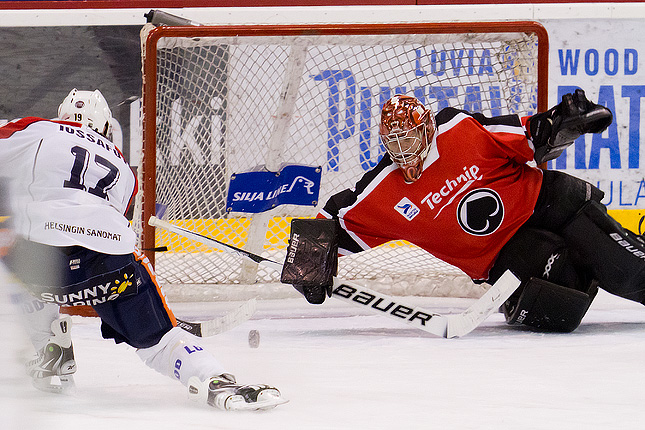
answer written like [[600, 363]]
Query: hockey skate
[[53, 368], [222, 392]]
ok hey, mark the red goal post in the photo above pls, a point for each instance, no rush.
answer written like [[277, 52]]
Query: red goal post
[[221, 100]]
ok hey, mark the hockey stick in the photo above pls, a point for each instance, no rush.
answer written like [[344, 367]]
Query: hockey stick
[[221, 324], [448, 326]]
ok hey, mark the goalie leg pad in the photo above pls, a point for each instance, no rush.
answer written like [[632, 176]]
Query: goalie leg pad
[[614, 255], [312, 258], [550, 307], [541, 259], [533, 252]]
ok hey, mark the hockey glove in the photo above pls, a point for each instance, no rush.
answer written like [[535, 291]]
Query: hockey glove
[[312, 258], [552, 131]]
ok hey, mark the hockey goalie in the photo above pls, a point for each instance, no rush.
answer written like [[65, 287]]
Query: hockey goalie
[[464, 187]]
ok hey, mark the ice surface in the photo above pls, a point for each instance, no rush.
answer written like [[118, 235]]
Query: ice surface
[[344, 369]]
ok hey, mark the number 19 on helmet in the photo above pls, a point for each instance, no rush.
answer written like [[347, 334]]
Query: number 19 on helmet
[[89, 108]]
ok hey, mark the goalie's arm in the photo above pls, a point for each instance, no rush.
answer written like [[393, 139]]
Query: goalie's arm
[[346, 198], [552, 131]]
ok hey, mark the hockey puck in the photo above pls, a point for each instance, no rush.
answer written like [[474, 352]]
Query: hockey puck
[[254, 338]]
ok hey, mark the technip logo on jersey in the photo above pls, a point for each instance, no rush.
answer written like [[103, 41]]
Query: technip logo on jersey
[[451, 189], [406, 208]]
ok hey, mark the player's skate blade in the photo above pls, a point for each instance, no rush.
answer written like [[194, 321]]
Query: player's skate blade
[[63, 384], [222, 392], [267, 398]]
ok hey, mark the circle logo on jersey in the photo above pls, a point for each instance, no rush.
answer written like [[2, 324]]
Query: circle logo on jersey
[[480, 212]]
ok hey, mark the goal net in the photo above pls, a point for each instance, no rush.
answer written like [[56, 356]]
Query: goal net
[[222, 101]]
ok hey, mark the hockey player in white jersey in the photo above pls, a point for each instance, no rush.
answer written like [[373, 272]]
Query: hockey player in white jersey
[[70, 187]]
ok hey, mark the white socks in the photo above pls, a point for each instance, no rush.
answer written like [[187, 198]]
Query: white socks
[[36, 316], [180, 356]]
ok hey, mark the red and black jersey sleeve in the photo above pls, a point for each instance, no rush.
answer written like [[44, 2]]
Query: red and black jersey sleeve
[[348, 197], [498, 127]]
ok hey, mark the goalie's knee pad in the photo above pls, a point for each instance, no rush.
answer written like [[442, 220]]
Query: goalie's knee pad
[[561, 197], [538, 253], [312, 258], [615, 256], [554, 292], [550, 307]]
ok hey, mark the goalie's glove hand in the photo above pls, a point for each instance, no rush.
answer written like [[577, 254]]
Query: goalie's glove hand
[[560, 126], [315, 294]]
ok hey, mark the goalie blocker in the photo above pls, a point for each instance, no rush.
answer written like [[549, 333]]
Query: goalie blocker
[[312, 258]]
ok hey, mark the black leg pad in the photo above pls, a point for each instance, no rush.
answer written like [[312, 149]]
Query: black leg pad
[[550, 307], [614, 255]]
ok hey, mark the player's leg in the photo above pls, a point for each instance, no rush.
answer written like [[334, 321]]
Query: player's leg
[[181, 356], [145, 322], [54, 364]]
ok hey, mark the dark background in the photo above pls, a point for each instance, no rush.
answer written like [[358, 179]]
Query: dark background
[[40, 65]]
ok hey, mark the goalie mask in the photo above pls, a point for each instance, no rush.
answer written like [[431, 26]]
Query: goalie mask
[[89, 108], [406, 130]]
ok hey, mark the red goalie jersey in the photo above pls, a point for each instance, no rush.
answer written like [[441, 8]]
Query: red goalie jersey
[[475, 192]]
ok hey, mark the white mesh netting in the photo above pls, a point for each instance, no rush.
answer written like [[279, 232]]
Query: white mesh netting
[[226, 105]]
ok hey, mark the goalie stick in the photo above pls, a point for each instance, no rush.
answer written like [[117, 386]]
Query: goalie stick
[[447, 326]]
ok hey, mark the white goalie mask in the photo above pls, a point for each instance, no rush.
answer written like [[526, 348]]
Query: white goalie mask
[[89, 108]]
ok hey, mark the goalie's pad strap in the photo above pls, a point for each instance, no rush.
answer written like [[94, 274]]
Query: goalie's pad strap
[[312, 254], [550, 307]]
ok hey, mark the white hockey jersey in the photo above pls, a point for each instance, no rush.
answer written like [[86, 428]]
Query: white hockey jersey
[[68, 185]]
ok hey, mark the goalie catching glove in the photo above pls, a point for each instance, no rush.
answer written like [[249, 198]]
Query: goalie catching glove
[[312, 258], [552, 131]]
